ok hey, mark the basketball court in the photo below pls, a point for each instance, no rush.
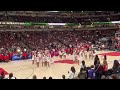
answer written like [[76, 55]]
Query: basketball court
[[25, 70]]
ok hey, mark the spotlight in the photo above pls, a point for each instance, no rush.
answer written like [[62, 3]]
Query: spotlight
[[18, 50], [25, 50]]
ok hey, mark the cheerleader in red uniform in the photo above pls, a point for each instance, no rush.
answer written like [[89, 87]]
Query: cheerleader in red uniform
[[25, 55], [1, 57], [6, 58], [11, 54], [67, 51], [71, 50], [53, 53], [56, 53]]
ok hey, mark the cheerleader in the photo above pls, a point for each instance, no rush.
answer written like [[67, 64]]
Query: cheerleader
[[81, 57], [85, 54], [53, 52], [60, 54], [80, 53], [48, 59], [40, 56], [37, 60], [76, 57], [43, 59], [47, 51], [94, 54], [64, 54], [90, 54], [6, 58], [102, 46], [33, 58]]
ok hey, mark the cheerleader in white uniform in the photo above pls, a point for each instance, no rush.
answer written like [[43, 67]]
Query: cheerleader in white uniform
[[85, 54], [64, 54], [94, 54], [82, 53], [103, 46], [74, 55], [37, 60], [48, 59], [46, 51], [90, 54], [43, 59], [40, 56], [78, 59], [60, 54], [33, 58], [81, 58]]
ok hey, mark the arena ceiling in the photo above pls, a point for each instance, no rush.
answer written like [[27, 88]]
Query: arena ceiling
[[82, 17], [60, 13], [62, 16]]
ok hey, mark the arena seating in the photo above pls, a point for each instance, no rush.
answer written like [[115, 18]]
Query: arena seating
[[50, 39], [43, 39]]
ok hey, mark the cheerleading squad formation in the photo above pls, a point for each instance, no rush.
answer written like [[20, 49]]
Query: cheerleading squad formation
[[78, 54]]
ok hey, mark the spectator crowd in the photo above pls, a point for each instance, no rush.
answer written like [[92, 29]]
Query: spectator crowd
[[55, 41]]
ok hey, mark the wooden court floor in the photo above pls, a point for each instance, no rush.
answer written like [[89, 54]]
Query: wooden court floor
[[25, 70]]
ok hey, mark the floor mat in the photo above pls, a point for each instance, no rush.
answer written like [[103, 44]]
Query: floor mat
[[66, 61], [5, 72], [111, 54]]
